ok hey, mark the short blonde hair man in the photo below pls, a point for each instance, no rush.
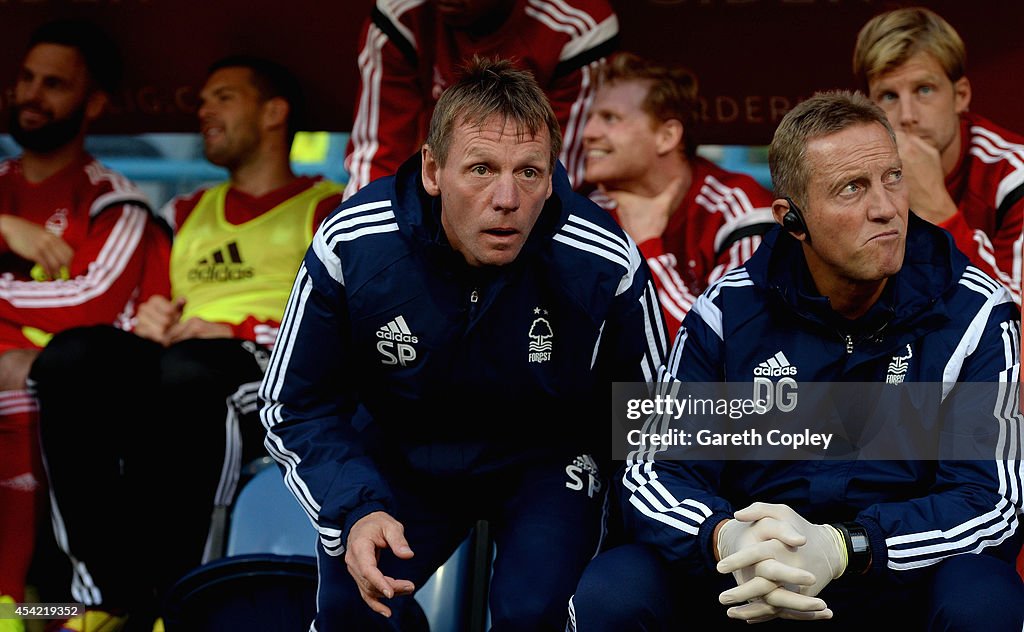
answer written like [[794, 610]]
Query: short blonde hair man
[[965, 173], [888, 40]]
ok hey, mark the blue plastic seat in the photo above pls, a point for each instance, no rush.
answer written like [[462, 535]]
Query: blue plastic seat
[[266, 519]]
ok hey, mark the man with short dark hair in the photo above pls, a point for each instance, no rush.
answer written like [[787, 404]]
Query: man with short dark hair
[[168, 449], [78, 246], [852, 287], [477, 312]]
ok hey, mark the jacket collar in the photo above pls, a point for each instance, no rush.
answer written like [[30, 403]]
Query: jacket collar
[[914, 297]]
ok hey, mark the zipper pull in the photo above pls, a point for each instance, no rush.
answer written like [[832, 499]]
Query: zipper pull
[[474, 296], [849, 343]]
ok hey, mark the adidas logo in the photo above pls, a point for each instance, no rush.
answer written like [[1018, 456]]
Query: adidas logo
[[224, 264], [396, 342], [586, 463], [775, 366], [218, 255], [397, 330]]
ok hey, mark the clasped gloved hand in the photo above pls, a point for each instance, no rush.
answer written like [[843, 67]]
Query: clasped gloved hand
[[780, 562]]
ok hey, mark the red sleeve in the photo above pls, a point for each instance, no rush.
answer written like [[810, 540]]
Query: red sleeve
[[674, 296], [1007, 244], [652, 248], [106, 271], [389, 104], [728, 213], [325, 208], [156, 273], [747, 215], [999, 257], [573, 83], [262, 332], [571, 96]]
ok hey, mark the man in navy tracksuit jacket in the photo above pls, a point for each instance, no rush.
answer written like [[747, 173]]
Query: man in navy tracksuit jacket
[[447, 355], [834, 296]]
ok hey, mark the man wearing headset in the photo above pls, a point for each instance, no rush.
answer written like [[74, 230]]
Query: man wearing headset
[[851, 288]]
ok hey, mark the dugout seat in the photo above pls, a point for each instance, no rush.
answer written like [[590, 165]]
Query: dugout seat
[[270, 568]]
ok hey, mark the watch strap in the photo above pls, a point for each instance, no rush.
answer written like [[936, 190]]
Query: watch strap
[[858, 547]]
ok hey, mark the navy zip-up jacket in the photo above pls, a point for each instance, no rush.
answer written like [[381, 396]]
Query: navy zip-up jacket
[[939, 320], [461, 369]]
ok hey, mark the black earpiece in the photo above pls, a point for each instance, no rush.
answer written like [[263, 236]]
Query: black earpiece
[[793, 220]]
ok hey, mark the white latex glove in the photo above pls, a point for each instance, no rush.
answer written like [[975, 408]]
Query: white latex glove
[[822, 552], [772, 588]]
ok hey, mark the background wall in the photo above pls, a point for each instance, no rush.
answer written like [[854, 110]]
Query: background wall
[[754, 58]]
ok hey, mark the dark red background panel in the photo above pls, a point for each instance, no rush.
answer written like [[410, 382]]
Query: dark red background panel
[[754, 58]]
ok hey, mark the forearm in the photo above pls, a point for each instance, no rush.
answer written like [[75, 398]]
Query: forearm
[[105, 276], [970, 505], [309, 397], [670, 507], [328, 473]]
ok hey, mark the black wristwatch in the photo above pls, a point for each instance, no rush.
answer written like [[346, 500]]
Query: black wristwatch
[[858, 547]]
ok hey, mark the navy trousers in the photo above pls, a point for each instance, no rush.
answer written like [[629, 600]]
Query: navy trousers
[[547, 525], [632, 588]]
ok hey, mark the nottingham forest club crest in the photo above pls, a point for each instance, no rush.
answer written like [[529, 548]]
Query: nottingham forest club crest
[[898, 367], [541, 337]]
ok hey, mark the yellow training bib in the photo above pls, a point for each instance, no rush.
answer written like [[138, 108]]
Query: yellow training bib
[[228, 273]]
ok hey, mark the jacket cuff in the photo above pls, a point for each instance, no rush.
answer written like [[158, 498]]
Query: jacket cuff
[[706, 539], [353, 517], [879, 553]]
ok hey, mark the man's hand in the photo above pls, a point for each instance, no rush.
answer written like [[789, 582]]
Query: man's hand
[[771, 587], [14, 368], [779, 529], [31, 241], [197, 328], [156, 317], [370, 534], [922, 171], [644, 217]]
